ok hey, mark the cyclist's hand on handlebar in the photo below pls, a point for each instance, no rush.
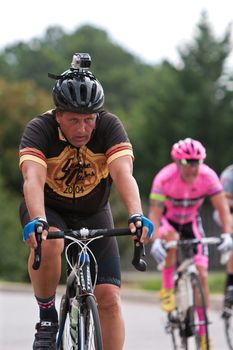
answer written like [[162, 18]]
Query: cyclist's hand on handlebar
[[138, 222], [227, 243], [158, 252], [29, 231]]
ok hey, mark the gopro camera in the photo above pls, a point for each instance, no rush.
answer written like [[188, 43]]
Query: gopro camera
[[81, 61]]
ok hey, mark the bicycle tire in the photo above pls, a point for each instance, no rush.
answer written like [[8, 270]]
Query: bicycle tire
[[174, 327], [228, 327], [193, 323], [64, 340], [184, 323], [87, 333], [177, 318], [90, 336]]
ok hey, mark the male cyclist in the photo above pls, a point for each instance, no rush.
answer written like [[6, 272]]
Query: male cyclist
[[177, 193], [226, 178], [69, 157]]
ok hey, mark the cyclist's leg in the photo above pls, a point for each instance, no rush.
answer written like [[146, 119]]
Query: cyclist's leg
[[201, 258], [201, 262], [228, 290], [227, 313], [198, 316], [200, 311], [167, 233], [45, 280], [107, 292], [109, 306]]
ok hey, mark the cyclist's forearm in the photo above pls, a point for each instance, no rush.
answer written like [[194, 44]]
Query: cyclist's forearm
[[226, 221], [34, 175], [220, 204], [121, 173], [34, 197], [225, 218], [129, 192], [33, 190], [155, 213]]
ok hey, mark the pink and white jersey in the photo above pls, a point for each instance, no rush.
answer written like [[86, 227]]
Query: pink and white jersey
[[182, 200]]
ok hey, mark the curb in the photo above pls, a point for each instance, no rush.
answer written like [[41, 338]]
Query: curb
[[127, 293], [130, 294]]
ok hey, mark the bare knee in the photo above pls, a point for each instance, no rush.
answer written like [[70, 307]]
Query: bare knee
[[50, 251], [108, 297]]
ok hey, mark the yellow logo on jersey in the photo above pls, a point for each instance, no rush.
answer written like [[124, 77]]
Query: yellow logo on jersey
[[75, 173]]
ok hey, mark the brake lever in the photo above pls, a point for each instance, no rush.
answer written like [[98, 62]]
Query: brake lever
[[37, 251], [139, 250]]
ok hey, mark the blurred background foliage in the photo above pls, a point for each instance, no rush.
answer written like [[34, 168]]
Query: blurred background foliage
[[158, 104]]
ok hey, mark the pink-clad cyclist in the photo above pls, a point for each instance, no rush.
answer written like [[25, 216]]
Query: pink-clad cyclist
[[177, 193]]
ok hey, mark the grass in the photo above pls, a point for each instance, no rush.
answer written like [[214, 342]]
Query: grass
[[216, 281], [152, 281]]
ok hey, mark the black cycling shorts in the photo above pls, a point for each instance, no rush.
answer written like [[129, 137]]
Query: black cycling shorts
[[105, 250], [192, 230]]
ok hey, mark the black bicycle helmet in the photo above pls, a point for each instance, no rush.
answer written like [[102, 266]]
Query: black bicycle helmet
[[78, 92]]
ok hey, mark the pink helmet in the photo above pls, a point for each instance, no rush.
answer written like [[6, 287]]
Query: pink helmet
[[188, 149]]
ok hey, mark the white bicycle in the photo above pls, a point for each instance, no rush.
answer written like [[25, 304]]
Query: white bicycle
[[183, 323]]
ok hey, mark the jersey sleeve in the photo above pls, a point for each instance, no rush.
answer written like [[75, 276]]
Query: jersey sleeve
[[214, 185], [33, 143], [157, 192], [117, 143], [227, 180]]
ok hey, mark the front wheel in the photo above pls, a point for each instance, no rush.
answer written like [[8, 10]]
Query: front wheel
[[175, 327], [64, 340], [85, 334], [90, 337], [193, 322], [228, 327]]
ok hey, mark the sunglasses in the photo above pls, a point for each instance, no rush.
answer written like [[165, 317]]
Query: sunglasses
[[191, 162]]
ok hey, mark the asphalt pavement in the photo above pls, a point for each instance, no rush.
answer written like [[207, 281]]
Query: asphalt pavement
[[130, 290]]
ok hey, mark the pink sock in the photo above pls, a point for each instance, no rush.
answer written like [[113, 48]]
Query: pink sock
[[200, 313], [167, 277]]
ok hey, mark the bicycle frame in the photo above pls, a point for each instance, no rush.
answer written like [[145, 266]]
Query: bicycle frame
[[186, 269], [182, 323], [79, 286]]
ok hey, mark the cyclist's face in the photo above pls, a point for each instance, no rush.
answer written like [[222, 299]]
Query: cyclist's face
[[188, 172], [77, 128]]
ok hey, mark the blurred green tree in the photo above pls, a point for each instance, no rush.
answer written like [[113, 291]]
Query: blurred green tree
[[20, 102], [191, 100], [157, 104]]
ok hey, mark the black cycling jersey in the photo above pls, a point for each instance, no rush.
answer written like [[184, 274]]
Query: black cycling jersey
[[78, 179]]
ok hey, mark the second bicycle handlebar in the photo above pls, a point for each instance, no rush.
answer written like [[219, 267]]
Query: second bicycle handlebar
[[86, 234], [192, 241]]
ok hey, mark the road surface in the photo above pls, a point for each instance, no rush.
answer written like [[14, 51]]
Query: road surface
[[144, 322]]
